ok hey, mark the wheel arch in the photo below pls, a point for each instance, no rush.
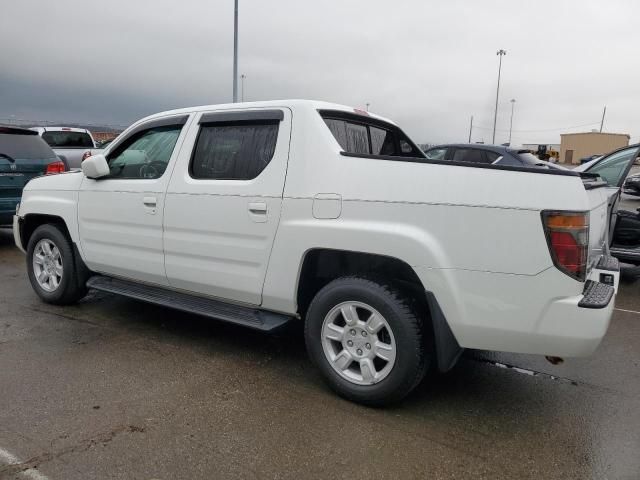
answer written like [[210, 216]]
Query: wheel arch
[[31, 221], [319, 266]]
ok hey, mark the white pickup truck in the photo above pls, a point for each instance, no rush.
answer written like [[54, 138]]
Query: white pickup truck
[[265, 213], [72, 145]]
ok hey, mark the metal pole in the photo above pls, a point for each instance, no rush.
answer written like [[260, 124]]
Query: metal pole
[[500, 53], [235, 52], [242, 77], [470, 128], [513, 102], [602, 121]]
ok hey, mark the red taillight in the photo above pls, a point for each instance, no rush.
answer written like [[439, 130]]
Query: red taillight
[[86, 155], [55, 167], [568, 238]]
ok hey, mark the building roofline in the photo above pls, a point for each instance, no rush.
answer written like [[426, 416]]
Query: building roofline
[[597, 133]]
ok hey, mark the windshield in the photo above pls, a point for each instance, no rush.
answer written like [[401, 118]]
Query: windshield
[[24, 147], [64, 139]]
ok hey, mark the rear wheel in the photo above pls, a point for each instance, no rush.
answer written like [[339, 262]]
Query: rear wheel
[[367, 340], [51, 266]]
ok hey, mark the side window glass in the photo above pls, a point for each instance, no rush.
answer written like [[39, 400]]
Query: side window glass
[[339, 130], [613, 167], [491, 156], [146, 154], [371, 138], [357, 138], [436, 153], [382, 141], [468, 155], [352, 137], [233, 152], [405, 147]]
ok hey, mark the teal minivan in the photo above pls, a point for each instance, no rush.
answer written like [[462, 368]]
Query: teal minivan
[[23, 155]]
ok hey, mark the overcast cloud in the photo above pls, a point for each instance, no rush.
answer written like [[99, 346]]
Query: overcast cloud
[[429, 65]]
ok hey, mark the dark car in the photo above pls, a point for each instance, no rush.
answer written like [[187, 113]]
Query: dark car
[[487, 154], [23, 155], [631, 185]]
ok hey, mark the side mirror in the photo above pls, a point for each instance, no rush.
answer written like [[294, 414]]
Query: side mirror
[[95, 167]]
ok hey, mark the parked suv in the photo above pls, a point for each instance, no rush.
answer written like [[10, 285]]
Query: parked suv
[[23, 155], [266, 213]]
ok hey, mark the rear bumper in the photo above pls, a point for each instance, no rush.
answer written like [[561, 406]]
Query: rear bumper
[[575, 326], [543, 314]]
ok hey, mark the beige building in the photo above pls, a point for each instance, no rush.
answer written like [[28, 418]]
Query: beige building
[[574, 146]]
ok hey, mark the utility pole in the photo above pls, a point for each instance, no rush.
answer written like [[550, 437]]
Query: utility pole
[[513, 102], [500, 53], [242, 77], [602, 121], [235, 52], [470, 128]]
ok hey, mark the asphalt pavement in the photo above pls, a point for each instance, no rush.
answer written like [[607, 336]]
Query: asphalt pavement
[[117, 389]]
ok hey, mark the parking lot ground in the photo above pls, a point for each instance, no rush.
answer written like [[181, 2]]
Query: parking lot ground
[[114, 388]]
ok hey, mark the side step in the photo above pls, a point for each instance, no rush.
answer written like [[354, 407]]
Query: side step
[[246, 316]]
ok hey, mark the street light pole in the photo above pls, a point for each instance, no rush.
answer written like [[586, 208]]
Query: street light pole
[[500, 53], [235, 52], [513, 102], [242, 77]]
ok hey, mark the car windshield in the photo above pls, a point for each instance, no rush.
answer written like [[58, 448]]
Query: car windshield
[[67, 139]]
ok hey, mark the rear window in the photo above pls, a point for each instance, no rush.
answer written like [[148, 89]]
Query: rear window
[[24, 147], [358, 136], [68, 139]]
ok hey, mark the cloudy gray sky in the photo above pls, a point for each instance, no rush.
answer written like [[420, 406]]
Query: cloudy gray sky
[[429, 65]]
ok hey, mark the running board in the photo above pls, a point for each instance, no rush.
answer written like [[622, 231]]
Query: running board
[[246, 316]]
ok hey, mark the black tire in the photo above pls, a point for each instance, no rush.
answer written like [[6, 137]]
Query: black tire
[[412, 359], [72, 284]]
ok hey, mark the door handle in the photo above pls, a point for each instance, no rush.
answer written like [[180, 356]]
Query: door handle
[[150, 201], [150, 205], [259, 208]]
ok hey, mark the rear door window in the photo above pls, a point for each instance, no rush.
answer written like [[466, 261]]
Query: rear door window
[[64, 139], [241, 151]]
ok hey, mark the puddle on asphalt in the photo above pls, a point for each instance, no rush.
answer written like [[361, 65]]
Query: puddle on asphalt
[[524, 371]]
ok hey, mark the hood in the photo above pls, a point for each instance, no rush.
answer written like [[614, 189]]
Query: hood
[[69, 181]]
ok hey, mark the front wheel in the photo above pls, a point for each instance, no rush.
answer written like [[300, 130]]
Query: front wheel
[[367, 340], [52, 268]]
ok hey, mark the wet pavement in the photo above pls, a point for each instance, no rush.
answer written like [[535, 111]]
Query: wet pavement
[[114, 388]]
